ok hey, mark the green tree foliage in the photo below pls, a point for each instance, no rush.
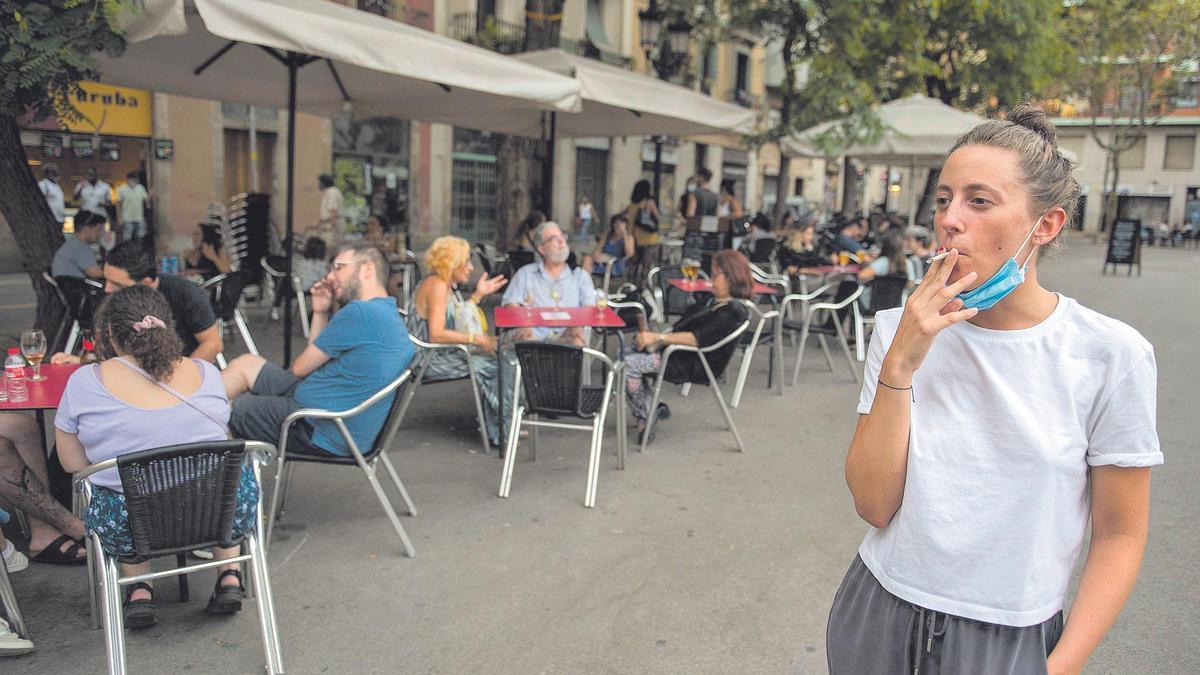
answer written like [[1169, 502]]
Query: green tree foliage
[[46, 48], [1127, 57]]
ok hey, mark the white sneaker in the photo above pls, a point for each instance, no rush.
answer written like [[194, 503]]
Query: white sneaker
[[12, 644], [14, 560]]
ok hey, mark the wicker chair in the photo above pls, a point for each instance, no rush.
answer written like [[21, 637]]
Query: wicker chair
[[367, 461], [225, 291], [289, 289], [79, 296], [887, 292], [700, 353], [553, 382], [179, 498]]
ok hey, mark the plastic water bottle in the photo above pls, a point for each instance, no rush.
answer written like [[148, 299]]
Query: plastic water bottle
[[14, 377]]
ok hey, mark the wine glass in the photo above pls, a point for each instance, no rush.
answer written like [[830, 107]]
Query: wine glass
[[556, 295], [601, 302], [33, 346], [528, 303]]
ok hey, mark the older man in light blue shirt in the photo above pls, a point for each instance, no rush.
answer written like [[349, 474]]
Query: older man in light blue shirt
[[550, 282]]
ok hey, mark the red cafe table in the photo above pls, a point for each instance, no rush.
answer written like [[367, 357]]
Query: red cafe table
[[705, 286], [43, 395], [824, 272]]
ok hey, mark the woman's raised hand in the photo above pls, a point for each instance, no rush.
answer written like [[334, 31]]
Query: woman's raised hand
[[488, 285], [931, 309]]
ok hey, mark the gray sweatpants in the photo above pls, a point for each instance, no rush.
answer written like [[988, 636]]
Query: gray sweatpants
[[872, 631]]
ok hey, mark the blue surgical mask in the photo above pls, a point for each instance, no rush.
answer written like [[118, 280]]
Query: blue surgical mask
[[1004, 281], [691, 187]]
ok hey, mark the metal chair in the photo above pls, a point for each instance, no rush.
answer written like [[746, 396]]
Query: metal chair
[[490, 258], [845, 300], [367, 461], [552, 376], [225, 291], [700, 353], [293, 291], [428, 349], [8, 598], [79, 297], [179, 498], [748, 346], [887, 292]]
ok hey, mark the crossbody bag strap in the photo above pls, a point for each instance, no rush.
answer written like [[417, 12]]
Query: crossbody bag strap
[[170, 390]]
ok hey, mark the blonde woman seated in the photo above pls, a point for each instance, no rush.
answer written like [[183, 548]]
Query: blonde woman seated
[[443, 316]]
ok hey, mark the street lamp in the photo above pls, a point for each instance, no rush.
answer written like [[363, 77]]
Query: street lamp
[[666, 60]]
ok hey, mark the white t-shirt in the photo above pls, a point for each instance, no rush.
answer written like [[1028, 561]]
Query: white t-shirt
[[331, 200], [93, 197], [133, 203], [1004, 428], [54, 198]]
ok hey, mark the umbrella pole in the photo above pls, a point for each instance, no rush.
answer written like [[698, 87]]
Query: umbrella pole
[[658, 143], [913, 197], [293, 65], [548, 168]]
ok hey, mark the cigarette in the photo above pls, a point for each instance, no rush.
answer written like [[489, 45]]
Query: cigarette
[[937, 257]]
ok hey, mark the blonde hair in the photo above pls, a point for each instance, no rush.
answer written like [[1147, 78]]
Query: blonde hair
[[447, 254]]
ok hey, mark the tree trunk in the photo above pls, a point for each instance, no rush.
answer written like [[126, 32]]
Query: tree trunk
[[514, 179], [33, 226], [1114, 204], [782, 188]]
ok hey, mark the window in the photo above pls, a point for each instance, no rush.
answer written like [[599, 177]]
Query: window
[[1073, 144], [1188, 95], [1134, 157], [741, 84], [798, 187], [1181, 152]]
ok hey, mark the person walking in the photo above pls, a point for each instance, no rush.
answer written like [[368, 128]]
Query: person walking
[[996, 417], [642, 213]]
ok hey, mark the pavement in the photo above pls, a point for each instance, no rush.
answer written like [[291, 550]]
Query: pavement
[[697, 559]]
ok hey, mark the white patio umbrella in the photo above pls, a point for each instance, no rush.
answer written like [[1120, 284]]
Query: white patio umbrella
[[620, 102], [918, 132], [321, 57]]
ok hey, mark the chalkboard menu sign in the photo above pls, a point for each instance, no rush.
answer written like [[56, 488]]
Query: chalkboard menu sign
[[1125, 245]]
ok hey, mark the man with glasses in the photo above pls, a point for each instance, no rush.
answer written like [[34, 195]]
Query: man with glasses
[[550, 282], [349, 357]]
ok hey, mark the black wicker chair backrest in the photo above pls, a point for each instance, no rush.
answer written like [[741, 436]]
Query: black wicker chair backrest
[[181, 497], [552, 377], [887, 292], [227, 294], [81, 299], [763, 250], [519, 258], [390, 423], [675, 301], [845, 289]]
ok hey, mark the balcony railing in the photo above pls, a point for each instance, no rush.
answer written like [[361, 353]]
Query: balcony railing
[[490, 33]]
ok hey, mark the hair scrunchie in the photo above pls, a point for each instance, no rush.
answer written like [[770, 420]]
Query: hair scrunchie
[[148, 322]]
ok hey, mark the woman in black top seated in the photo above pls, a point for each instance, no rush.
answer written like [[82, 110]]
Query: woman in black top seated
[[209, 257], [702, 325]]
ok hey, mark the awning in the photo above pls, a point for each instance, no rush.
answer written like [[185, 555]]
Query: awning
[[381, 66], [619, 102]]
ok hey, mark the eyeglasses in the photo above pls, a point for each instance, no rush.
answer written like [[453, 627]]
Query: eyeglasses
[[337, 265], [553, 238]]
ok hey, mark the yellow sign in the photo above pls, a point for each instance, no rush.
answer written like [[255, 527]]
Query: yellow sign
[[109, 110]]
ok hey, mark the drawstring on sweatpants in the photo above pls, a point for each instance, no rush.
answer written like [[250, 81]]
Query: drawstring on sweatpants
[[927, 630]]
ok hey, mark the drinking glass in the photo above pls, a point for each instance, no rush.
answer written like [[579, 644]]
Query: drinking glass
[[528, 303], [33, 346], [556, 295], [601, 302]]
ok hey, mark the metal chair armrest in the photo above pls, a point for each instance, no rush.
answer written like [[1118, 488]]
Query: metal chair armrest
[[215, 281], [837, 305], [804, 297], [93, 283]]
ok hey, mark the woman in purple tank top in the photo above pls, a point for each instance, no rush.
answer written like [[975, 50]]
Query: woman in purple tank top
[[144, 394]]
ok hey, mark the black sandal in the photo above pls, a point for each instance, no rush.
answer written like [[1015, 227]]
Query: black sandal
[[139, 613], [54, 555], [226, 600]]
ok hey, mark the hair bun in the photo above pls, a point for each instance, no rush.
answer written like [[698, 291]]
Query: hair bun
[[1035, 120]]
